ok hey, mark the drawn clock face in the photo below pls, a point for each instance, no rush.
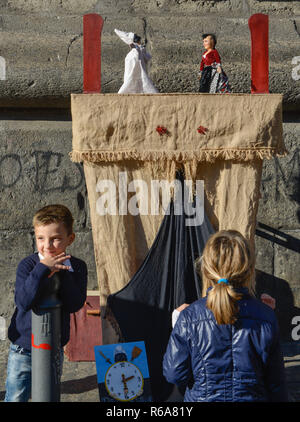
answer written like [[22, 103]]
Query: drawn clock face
[[124, 381]]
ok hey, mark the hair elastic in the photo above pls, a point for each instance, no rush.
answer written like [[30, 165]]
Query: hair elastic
[[223, 280]]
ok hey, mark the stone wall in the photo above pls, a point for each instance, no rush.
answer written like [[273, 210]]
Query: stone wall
[[41, 42]]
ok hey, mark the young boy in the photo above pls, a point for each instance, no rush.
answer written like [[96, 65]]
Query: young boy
[[53, 227]]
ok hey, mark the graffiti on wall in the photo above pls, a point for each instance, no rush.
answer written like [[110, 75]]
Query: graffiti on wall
[[286, 176], [50, 172]]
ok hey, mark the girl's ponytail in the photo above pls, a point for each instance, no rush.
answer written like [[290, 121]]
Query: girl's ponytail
[[222, 300], [226, 254]]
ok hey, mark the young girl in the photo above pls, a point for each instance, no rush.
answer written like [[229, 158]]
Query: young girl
[[212, 77], [225, 346]]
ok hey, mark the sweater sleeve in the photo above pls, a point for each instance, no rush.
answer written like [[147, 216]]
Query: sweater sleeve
[[28, 282], [176, 362], [275, 376], [73, 287]]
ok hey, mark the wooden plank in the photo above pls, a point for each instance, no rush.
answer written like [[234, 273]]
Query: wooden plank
[[93, 293], [85, 332]]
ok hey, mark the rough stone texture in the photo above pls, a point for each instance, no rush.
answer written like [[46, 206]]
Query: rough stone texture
[[41, 42], [287, 262], [280, 202], [37, 151], [12, 246], [277, 236], [54, 45]]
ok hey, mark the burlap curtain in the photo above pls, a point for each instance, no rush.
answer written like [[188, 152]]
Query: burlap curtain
[[220, 139]]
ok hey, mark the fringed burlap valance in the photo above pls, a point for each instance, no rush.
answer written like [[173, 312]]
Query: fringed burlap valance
[[221, 139], [112, 127]]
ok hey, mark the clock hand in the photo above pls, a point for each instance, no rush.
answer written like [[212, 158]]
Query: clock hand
[[129, 378], [125, 386], [124, 380]]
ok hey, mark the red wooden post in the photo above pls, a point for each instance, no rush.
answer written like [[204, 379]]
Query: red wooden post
[[259, 28], [92, 28], [85, 326]]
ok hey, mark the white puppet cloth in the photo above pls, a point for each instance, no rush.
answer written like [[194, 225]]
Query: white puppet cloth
[[136, 79]]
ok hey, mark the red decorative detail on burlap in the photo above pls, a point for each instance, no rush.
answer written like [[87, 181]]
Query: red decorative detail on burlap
[[202, 130], [162, 130]]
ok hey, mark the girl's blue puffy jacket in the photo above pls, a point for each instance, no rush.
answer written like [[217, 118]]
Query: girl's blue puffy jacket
[[234, 363]]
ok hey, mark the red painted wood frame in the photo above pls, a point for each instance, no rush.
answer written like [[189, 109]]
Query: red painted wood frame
[[92, 28], [259, 29]]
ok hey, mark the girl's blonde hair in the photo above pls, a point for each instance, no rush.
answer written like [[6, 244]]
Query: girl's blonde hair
[[227, 254]]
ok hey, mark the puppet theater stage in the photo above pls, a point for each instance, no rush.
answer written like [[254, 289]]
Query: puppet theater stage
[[144, 261]]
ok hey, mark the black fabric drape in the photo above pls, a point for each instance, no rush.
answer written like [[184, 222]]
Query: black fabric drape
[[166, 279]]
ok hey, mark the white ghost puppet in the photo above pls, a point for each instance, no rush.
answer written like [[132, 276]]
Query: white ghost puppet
[[136, 79]]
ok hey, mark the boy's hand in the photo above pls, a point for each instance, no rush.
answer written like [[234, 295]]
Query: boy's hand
[[55, 262]]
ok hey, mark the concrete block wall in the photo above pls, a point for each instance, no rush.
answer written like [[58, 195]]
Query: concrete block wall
[[278, 229], [41, 42]]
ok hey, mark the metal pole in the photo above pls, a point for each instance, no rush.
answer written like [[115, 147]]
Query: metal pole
[[46, 344]]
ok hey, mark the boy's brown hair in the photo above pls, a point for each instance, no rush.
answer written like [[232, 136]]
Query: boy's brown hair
[[54, 214]]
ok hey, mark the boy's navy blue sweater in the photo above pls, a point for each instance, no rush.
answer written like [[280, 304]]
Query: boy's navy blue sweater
[[31, 276]]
